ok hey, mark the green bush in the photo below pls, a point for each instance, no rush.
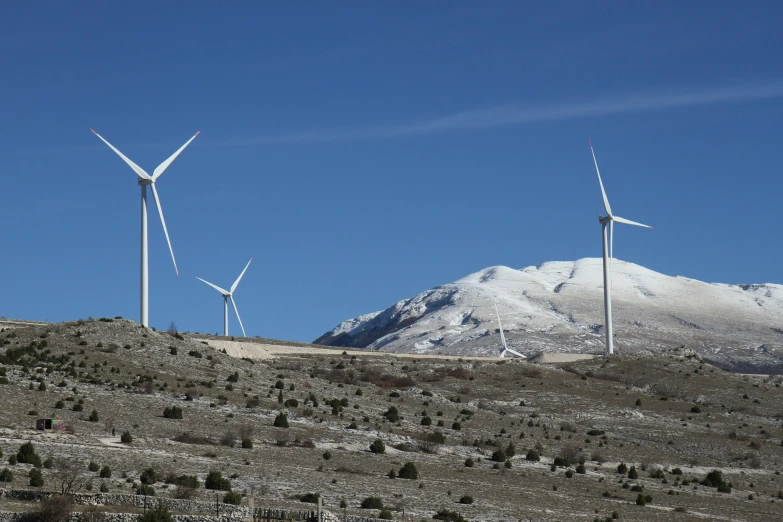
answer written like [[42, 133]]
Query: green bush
[[186, 481], [93, 416], [232, 497], [466, 499], [12, 460], [216, 481], [281, 421], [234, 377], [247, 443], [372, 503], [27, 455], [511, 450], [498, 456], [126, 437], [378, 447], [105, 472], [59, 405], [456, 426], [309, 498], [291, 403], [392, 414], [6, 475], [146, 490], [93, 466], [408, 471], [173, 412], [533, 456], [36, 478], [469, 462], [385, 514], [327, 455], [632, 474], [148, 476], [622, 468], [426, 421], [448, 516]]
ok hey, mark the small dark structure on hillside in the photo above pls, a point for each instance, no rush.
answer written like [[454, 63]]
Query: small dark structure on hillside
[[49, 424]]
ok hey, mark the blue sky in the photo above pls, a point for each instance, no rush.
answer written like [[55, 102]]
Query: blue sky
[[363, 152]]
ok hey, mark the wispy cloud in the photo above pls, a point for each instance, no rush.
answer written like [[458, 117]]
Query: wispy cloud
[[520, 114]]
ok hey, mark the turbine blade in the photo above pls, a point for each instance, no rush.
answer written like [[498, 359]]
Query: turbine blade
[[238, 318], [165, 231], [138, 170], [603, 192], [502, 337], [629, 222], [224, 292], [236, 283], [163, 166]]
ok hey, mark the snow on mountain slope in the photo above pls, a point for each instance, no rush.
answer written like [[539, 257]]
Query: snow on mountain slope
[[558, 306]]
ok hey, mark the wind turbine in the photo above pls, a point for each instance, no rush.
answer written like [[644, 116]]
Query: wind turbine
[[503, 337], [144, 181], [609, 220], [229, 294]]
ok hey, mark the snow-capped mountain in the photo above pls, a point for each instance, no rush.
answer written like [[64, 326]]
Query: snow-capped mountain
[[558, 306]]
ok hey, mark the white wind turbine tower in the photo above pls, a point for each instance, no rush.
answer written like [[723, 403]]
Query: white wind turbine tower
[[503, 337], [229, 294], [144, 181], [609, 219]]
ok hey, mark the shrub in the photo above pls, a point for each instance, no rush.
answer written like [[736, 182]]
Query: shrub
[[146, 490], [595, 433], [622, 468], [640, 500], [466, 499], [234, 377], [195, 353], [632, 474], [173, 412], [532, 455], [6, 475], [378, 447], [216, 481], [408, 471], [78, 407], [385, 514], [372, 503], [156, 514], [581, 469], [281, 421], [291, 403], [93, 416], [27, 455], [12, 460], [247, 444], [456, 426], [498, 456], [59, 405], [310, 498], [93, 466], [392, 414], [36, 478], [232, 497], [148, 476], [56, 508], [105, 472], [510, 450], [448, 516], [186, 481], [426, 421], [469, 462], [173, 350], [126, 437]]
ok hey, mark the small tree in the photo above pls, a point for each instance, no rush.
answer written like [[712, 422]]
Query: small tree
[[216, 481], [36, 478], [173, 412], [105, 472], [378, 447], [281, 421], [148, 476], [409, 471], [533, 456], [27, 455], [372, 503], [93, 416], [126, 437], [498, 456], [392, 414], [232, 497]]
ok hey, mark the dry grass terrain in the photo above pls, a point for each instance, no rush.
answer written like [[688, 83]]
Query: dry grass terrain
[[671, 417]]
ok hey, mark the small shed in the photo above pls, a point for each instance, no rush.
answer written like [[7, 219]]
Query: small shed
[[49, 424]]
